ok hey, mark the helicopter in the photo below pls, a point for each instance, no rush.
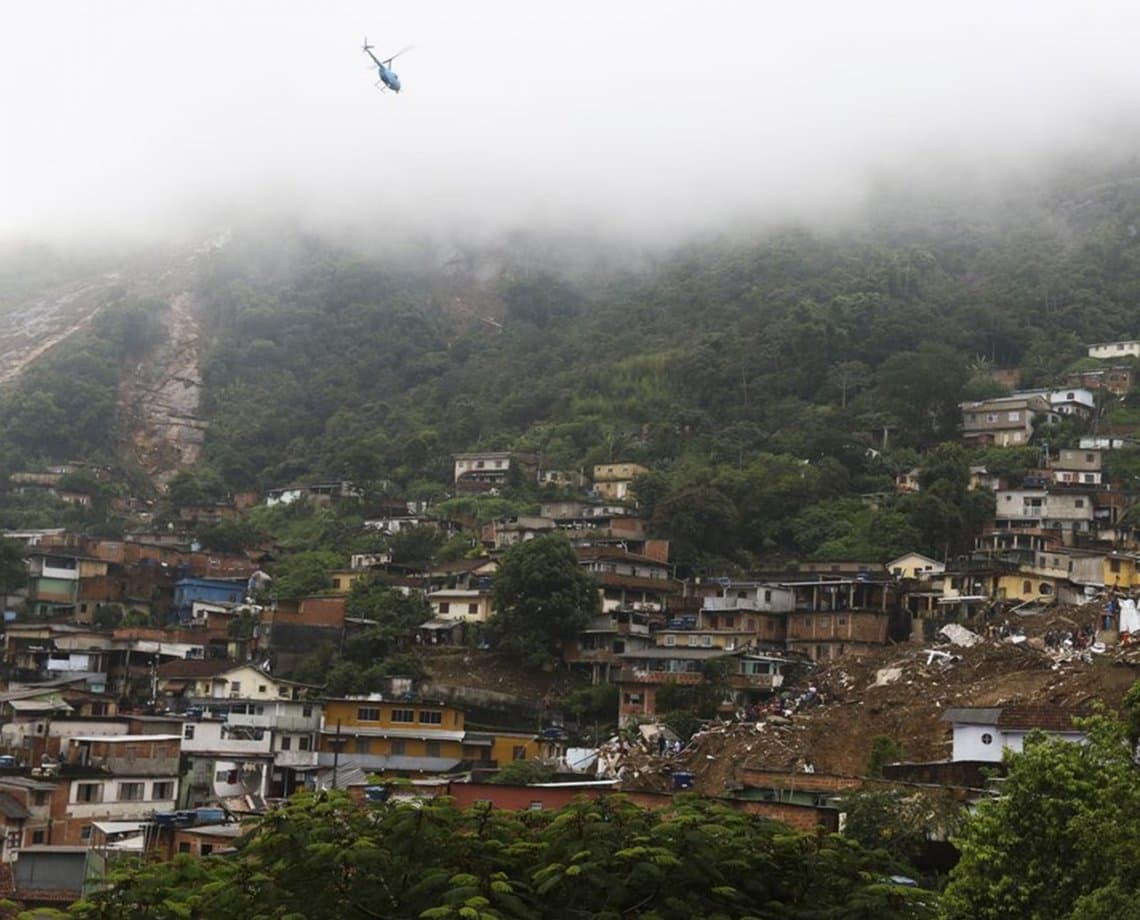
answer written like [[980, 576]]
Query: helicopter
[[388, 78]]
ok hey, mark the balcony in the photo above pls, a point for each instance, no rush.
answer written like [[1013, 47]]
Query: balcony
[[136, 766], [729, 603], [756, 681], [593, 654], [282, 723], [642, 676], [296, 759]]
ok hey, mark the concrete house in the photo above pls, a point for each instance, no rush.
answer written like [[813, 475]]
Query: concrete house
[[1075, 467], [915, 565], [983, 733], [1006, 421], [1110, 350], [614, 481]]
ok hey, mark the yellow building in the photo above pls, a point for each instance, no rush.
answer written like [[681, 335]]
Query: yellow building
[[413, 737], [613, 481], [1026, 586], [343, 579], [1121, 572]]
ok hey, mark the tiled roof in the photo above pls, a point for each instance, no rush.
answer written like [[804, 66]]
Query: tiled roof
[[1049, 718], [11, 808], [1018, 718]]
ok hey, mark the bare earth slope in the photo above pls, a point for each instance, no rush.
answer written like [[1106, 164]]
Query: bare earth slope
[[159, 397]]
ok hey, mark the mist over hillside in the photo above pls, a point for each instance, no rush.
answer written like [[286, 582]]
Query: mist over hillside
[[271, 353]]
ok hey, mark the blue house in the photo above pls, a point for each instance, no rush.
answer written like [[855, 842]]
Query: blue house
[[210, 590]]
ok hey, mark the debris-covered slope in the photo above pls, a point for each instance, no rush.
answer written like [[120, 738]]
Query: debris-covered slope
[[902, 692]]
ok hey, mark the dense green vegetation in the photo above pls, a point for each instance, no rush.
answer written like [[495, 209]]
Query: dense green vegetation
[[321, 856], [768, 382]]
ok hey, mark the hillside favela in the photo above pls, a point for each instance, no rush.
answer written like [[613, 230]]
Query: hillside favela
[[525, 487]]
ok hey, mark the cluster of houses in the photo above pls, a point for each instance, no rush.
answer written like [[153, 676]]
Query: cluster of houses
[[117, 735], [85, 777]]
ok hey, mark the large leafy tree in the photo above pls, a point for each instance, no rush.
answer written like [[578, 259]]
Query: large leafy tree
[[321, 856], [542, 597], [1061, 839], [13, 569]]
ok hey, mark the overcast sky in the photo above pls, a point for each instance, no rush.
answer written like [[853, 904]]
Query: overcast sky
[[130, 116]]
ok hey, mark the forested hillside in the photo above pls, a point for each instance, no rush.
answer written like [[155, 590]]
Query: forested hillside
[[767, 381]]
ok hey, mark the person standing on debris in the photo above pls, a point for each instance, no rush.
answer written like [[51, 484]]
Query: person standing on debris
[[661, 743], [1111, 609]]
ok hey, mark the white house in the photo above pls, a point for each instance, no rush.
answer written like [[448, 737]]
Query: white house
[[1115, 349], [915, 565], [983, 733]]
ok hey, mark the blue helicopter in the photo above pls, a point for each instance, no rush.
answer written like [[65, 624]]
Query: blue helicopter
[[388, 78]]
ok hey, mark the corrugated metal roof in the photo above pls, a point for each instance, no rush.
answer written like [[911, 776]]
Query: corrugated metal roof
[[11, 808]]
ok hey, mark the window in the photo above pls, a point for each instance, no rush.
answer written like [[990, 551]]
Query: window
[[131, 792], [307, 711], [398, 746], [1089, 458], [85, 832], [286, 742], [1114, 565], [431, 749], [1079, 503], [518, 752], [368, 714], [235, 686], [37, 837], [363, 746], [184, 847], [207, 849], [41, 797], [163, 791], [89, 792], [261, 688], [472, 609], [987, 738], [444, 607], [841, 621], [1015, 416], [303, 743], [403, 715], [431, 718], [767, 595], [670, 641], [188, 732], [706, 641], [1045, 589], [1026, 587]]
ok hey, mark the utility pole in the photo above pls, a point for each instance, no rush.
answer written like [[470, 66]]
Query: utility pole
[[336, 753]]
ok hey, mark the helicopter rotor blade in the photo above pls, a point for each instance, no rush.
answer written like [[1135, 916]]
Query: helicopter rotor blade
[[403, 50]]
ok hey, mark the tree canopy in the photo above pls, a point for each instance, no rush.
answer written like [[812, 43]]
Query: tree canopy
[[542, 597], [320, 855]]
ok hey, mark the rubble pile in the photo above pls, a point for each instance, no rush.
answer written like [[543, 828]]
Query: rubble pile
[[903, 692]]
